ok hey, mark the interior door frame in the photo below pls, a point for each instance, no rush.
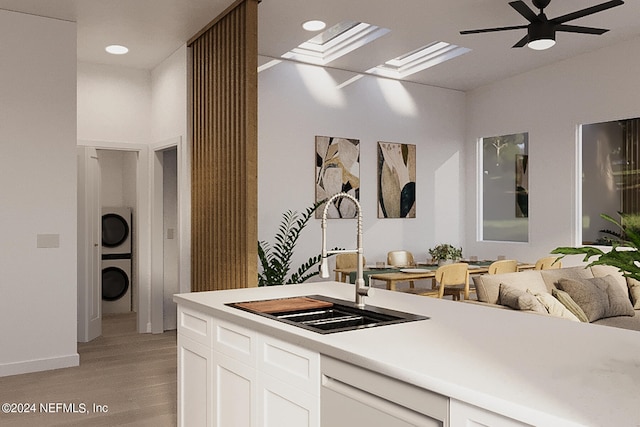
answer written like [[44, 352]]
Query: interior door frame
[[141, 269], [157, 225]]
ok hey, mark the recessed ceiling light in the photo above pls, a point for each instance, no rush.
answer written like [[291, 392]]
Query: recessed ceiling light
[[116, 49], [314, 25]]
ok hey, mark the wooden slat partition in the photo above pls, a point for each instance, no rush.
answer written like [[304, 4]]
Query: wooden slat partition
[[224, 151]]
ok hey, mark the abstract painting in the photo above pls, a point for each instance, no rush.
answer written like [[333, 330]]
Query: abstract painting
[[337, 170], [396, 180]]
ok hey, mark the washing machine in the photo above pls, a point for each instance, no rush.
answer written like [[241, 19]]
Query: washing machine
[[116, 231], [116, 286]]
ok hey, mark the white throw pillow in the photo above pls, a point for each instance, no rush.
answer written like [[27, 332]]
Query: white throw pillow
[[553, 306]]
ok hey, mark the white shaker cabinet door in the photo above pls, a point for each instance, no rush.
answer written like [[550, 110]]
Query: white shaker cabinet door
[[234, 392], [281, 405], [195, 389]]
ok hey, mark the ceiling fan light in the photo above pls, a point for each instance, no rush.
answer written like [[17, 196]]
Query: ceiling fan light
[[542, 35], [541, 44]]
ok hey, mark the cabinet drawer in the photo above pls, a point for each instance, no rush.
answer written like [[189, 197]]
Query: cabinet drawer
[[465, 415], [195, 325], [290, 363], [341, 377], [235, 341]]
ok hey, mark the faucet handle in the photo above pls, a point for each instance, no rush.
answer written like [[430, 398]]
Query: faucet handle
[[324, 268]]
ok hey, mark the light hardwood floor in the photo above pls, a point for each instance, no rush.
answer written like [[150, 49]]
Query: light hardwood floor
[[133, 374]]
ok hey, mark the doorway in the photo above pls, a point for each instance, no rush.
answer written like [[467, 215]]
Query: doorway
[[170, 231], [109, 175], [170, 249]]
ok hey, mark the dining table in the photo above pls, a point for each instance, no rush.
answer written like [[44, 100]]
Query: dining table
[[394, 275]]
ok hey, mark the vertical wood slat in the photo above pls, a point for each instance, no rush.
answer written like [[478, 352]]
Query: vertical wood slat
[[224, 155], [631, 177]]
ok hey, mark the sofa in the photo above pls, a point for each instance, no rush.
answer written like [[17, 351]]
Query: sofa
[[599, 294]]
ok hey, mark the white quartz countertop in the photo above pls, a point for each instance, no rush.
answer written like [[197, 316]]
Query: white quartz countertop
[[540, 370]]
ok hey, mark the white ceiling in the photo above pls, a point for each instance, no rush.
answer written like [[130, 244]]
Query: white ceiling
[[153, 29]]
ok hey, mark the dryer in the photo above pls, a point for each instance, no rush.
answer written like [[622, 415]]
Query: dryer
[[116, 231], [116, 286]]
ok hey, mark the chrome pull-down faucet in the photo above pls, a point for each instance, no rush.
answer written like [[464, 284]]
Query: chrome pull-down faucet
[[361, 289]]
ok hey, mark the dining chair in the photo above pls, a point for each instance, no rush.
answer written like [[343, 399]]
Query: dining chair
[[347, 261], [503, 266], [401, 259], [548, 263], [451, 279]]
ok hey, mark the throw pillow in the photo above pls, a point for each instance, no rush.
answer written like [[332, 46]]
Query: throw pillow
[[553, 306], [598, 297], [519, 300], [570, 304], [634, 290]]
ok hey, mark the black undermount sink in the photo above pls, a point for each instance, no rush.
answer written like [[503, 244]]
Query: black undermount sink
[[340, 316]]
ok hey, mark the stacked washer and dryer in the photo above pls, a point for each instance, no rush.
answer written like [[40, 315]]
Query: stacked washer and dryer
[[116, 260]]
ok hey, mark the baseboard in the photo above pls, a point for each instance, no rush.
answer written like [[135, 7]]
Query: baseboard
[[38, 365]]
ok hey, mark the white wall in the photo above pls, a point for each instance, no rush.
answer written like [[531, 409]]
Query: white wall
[[38, 192], [169, 97], [550, 103], [114, 104], [298, 102], [118, 173]]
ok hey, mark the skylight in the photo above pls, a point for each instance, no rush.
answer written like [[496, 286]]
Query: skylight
[[418, 60], [335, 42]]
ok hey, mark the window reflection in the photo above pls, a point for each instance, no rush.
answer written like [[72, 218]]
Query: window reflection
[[505, 188], [610, 177]]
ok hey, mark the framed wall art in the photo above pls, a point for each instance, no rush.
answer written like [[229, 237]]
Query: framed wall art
[[337, 170], [396, 180]]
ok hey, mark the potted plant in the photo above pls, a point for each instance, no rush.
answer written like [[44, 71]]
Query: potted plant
[[445, 253], [276, 260], [624, 253]]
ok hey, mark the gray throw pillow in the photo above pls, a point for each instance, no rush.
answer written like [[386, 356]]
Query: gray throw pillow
[[518, 299], [598, 297], [634, 290]]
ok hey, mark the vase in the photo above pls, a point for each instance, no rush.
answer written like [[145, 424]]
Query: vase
[[442, 262]]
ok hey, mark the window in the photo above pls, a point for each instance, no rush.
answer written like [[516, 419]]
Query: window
[[610, 176], [505, 188]]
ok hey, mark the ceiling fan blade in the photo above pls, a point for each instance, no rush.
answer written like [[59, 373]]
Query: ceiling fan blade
[[524, 10], [579, 29], [523, 42], [588, 11], [492, 30]]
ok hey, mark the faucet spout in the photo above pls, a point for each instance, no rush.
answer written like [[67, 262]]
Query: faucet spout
[[360, 289]]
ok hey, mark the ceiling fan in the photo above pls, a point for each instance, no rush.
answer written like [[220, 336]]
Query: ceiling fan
[[541, 31]]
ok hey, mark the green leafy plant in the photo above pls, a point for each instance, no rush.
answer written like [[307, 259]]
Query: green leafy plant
[[445, 251], [629, 222], [624, 254], [276, 261]]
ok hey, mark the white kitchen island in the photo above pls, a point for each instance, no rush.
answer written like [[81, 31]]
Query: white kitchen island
[[467, 365]]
